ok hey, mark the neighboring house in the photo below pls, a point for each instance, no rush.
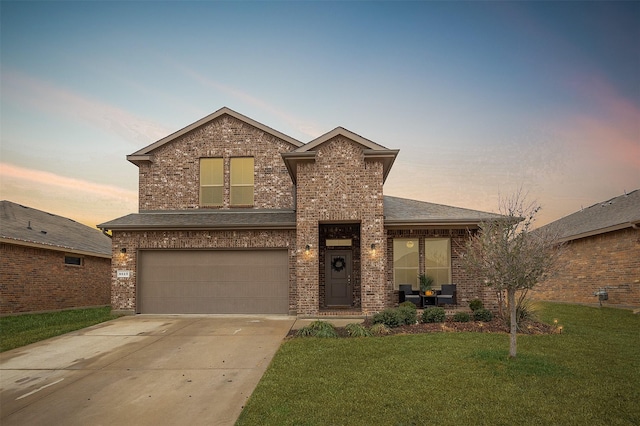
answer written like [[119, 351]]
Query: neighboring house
[[49, 262], [235, 217], [602, 253]]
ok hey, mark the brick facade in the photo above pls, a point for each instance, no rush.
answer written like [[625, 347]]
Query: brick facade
[[123, 297], [588, 264], [341, 187], [36, 279], [171, 180]]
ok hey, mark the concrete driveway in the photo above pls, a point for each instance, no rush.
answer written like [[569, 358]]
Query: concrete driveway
[[142, 370]]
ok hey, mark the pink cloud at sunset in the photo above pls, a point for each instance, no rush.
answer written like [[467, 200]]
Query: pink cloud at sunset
[[81, 200]]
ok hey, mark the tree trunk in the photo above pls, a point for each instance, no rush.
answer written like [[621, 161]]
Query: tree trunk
[[511, 295]]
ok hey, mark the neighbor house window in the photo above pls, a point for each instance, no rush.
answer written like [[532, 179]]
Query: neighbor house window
[[405, 262], [72, 260], [241, 182], [437, 260], [211, 181]]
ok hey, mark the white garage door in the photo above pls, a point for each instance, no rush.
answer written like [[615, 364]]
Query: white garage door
[[213, 282]]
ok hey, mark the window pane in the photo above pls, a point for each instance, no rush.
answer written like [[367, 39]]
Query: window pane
[[242, 195], [437, 256], [405, 262], [211, 196], [242, 171], [211, 171]]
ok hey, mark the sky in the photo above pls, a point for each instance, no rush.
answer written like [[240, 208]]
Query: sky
[[481, 98]]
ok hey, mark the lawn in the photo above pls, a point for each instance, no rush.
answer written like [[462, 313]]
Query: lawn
[[20, 330], [589, 374]]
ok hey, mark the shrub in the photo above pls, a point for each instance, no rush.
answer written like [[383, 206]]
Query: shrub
[[389, 317], [318, 329], [379, 329], [476, 304], [357, 330], [408, 304], [482, 314], [408, 314], [461, 317], [433, 315]]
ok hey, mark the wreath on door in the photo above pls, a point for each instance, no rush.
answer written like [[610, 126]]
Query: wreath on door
[[338, 264]]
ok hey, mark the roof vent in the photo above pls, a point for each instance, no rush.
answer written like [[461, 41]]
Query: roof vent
[[29, 225], [43, 232]]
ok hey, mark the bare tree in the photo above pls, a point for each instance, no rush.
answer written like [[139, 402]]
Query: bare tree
[[510, 256]]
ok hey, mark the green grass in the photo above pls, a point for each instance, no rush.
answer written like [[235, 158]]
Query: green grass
[[20, 330], [589, 374]]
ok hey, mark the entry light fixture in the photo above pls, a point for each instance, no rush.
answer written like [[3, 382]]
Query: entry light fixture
[[307, 248], [373, 248], [123, 250]]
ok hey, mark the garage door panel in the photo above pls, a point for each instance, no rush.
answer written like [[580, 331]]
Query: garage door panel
[[208, 281]]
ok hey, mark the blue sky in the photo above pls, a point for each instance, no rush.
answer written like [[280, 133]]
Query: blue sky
[[481, 98]]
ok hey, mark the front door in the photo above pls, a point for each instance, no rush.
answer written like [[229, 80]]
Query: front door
[[338, 272]]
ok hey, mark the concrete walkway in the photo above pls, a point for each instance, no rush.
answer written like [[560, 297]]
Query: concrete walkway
[[142, 370]]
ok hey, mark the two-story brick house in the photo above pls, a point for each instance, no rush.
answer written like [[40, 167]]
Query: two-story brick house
[[236, 217]]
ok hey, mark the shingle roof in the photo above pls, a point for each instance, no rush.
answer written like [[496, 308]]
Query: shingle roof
[[398, 211], [31, 226], [206, 219], [617, 213]]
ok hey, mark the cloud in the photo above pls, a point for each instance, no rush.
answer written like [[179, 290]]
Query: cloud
[[86, 202], [305, 127], [44, 96]]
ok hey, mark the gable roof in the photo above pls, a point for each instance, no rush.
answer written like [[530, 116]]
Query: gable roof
[[31, 227], [403, 212], [144, 154], [372, 151], [617, 213]]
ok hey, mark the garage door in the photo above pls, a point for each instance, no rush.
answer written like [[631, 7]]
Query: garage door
[[213, 282]]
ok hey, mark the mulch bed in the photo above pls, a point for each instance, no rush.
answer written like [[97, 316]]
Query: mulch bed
[[449, 326]]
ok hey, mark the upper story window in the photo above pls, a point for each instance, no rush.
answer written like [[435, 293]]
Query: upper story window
[[70, 259], [241, 181], [211, 181]]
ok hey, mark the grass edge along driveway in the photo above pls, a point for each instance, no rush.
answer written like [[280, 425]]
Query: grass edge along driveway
[[589, 374], [21, 330]]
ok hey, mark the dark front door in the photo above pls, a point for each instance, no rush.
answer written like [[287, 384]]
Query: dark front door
[[338, 272]]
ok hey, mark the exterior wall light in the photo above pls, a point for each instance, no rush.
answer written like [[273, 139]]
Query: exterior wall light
[[123, 250], [373, 248], [307, 249]]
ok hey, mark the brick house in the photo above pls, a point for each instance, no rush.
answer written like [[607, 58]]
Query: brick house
[[236, 217], [602, 253], [49, 262]]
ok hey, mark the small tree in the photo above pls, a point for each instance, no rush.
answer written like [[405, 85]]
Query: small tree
[[509, 256]]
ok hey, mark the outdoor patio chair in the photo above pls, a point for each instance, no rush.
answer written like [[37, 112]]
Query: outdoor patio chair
[[447, 295], [408, 294]]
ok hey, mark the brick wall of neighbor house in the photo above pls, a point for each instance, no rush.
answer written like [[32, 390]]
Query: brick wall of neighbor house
[[171, 180], [123, 295], [611, 259], [35, 279], [467, 287], [341, 187]]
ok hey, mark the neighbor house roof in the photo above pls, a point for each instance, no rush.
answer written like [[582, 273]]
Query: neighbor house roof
[[399, 212], [372, 151], [31, 227], [607, 216], [145, 154]]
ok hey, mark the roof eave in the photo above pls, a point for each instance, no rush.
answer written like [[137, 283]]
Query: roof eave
[[238, 227], [634, 225], [64, 249], [413, 223]]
